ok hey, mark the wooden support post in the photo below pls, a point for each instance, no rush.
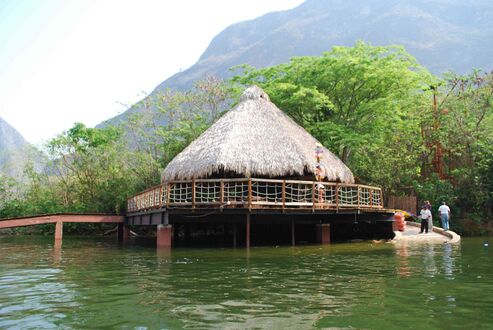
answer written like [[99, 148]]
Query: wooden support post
[[193, 193], [358, 196], [57, 252], [164, 236], [235, 230], [293, 233], [161, 197], [168, 192], [249, 193], [323, 233], [247, 238], [337, 196], [283, 195], [371, 198], [221, 192], [59, 230], [123, 233], [313, 196], [187, 233]]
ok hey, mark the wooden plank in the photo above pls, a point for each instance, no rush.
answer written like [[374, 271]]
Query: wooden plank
[[283, 194], [193, 193], [337, 196], [168, 193], [250, 193], [222, 192], [313, 196]]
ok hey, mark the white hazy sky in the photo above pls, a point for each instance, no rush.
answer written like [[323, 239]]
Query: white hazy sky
[[66, 61]]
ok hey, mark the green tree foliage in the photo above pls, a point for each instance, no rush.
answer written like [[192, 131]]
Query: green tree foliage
[[96, 170], [362, 102], [465, 120], [173, 119]]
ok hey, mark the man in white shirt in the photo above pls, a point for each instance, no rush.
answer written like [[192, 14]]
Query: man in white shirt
[[444, 215], [425, 216]]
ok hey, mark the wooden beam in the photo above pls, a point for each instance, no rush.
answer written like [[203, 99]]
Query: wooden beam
[[79, 218], [313, 196], [283, 194], [58, 230], [250, 193], [323, 233], [221, 192], [193, 193], [337, 196]]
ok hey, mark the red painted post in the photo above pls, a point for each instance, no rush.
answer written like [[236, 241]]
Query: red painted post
[[323, 233], [58, 230], [164, 236]]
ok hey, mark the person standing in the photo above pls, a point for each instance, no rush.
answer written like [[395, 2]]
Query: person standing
[[425, 216], [430, 220], [444, 215]]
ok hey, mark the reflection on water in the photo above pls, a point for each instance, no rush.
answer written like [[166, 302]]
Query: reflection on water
[[96, 283]]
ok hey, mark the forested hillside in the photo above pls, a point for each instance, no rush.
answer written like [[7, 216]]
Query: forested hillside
[[444, 35]]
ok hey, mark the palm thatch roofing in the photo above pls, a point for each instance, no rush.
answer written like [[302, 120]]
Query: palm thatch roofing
[[255, 139]]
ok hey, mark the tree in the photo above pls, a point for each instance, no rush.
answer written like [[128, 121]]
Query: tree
[[362, 102], [96, 171], [173, 119]]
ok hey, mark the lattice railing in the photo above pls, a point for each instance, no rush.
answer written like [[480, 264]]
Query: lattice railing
[[257, 193]]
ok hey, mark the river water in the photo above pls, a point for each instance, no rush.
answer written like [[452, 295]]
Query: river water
[[95, 283]]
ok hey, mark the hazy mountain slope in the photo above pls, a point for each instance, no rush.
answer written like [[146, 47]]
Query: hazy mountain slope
[[442, 34], [16, 152]]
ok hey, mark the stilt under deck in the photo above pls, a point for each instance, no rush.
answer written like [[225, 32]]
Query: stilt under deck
[[245, 208], [238, 227]]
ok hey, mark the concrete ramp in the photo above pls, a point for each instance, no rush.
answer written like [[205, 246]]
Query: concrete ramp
[[438, 235]]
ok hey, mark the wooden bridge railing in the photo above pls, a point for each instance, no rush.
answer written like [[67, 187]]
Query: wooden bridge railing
[[257, 193]]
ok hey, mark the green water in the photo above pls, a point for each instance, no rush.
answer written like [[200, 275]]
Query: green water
[[98, 284]]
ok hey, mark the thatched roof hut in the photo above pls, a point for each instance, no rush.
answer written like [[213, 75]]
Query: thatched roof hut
[[255, 139]]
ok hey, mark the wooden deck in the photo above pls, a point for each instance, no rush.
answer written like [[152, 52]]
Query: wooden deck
[[256, 194]]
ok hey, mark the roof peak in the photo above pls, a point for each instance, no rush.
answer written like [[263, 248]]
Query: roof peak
[[254, 93]]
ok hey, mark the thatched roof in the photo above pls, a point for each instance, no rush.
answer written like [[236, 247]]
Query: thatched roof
[[254, 139]]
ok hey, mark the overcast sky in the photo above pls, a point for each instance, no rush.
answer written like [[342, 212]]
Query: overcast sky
[[66, 61]]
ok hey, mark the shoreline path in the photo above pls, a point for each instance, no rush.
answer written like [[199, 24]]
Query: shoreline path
[[438, 235]]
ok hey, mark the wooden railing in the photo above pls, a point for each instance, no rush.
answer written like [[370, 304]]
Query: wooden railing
[[256, 193]]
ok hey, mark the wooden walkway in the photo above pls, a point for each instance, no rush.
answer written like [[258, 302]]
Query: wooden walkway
[[438, 235], [59, 219]]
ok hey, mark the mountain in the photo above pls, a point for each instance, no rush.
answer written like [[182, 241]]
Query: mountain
[[16, 152], [443, 35]]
